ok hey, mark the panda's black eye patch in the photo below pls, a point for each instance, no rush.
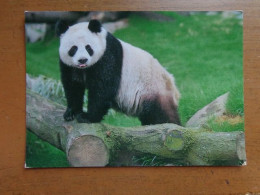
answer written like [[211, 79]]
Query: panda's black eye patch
[[72, 51], [89, 50]]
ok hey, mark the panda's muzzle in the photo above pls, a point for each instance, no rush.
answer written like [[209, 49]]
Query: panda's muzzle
[[83, 60], [82, 63]]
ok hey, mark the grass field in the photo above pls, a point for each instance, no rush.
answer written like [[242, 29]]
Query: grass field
[[204, 53]]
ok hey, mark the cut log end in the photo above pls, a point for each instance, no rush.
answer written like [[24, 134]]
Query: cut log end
[[87, 151], [241, 151]]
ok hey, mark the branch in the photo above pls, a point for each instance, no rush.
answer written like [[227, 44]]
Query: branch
[[99, 144]]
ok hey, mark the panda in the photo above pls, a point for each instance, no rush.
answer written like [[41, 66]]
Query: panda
[[116, 74]]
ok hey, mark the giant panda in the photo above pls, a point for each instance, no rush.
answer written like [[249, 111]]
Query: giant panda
[[116, 74]]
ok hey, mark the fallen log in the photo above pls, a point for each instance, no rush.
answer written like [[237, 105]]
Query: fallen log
[[101, 144]]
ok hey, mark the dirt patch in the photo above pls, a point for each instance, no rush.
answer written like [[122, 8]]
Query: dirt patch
[[233, 120]]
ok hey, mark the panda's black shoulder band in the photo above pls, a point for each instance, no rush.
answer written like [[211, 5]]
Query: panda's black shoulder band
[[94, 26]]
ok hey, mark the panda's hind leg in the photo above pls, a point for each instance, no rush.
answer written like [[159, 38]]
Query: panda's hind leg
[[159, 110]]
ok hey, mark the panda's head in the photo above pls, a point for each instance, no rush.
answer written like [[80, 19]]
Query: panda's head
[[82, 44]]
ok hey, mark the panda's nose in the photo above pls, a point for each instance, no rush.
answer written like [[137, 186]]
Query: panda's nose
[[83, 60]]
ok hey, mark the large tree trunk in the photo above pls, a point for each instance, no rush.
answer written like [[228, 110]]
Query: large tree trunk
[[99, 144]]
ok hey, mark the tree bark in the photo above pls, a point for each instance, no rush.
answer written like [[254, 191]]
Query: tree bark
[[98, 144]]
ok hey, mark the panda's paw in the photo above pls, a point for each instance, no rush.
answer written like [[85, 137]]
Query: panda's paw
[[68, 115], [82, 117]]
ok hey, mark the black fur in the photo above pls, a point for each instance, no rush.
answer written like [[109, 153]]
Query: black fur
[[94, 26], [154, 113], [61, 27], [89, 50], [72, 51], [102, 81]]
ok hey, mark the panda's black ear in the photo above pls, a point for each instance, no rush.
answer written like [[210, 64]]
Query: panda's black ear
[[61, 27], [94, 26]]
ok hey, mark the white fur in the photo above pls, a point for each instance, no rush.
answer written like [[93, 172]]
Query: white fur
[[142, 78], [80, 36]]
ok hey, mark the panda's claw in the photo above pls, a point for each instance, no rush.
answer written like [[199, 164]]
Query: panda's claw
[[68, 115], [69, 118]]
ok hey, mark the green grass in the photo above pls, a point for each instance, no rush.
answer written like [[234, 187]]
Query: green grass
[[42, 154], [42, 58], [204, 53]]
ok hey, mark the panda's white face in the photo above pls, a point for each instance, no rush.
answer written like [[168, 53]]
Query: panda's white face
[[81, 48]]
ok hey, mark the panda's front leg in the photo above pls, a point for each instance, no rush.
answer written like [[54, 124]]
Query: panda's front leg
[[74, 94], [98, 106]]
